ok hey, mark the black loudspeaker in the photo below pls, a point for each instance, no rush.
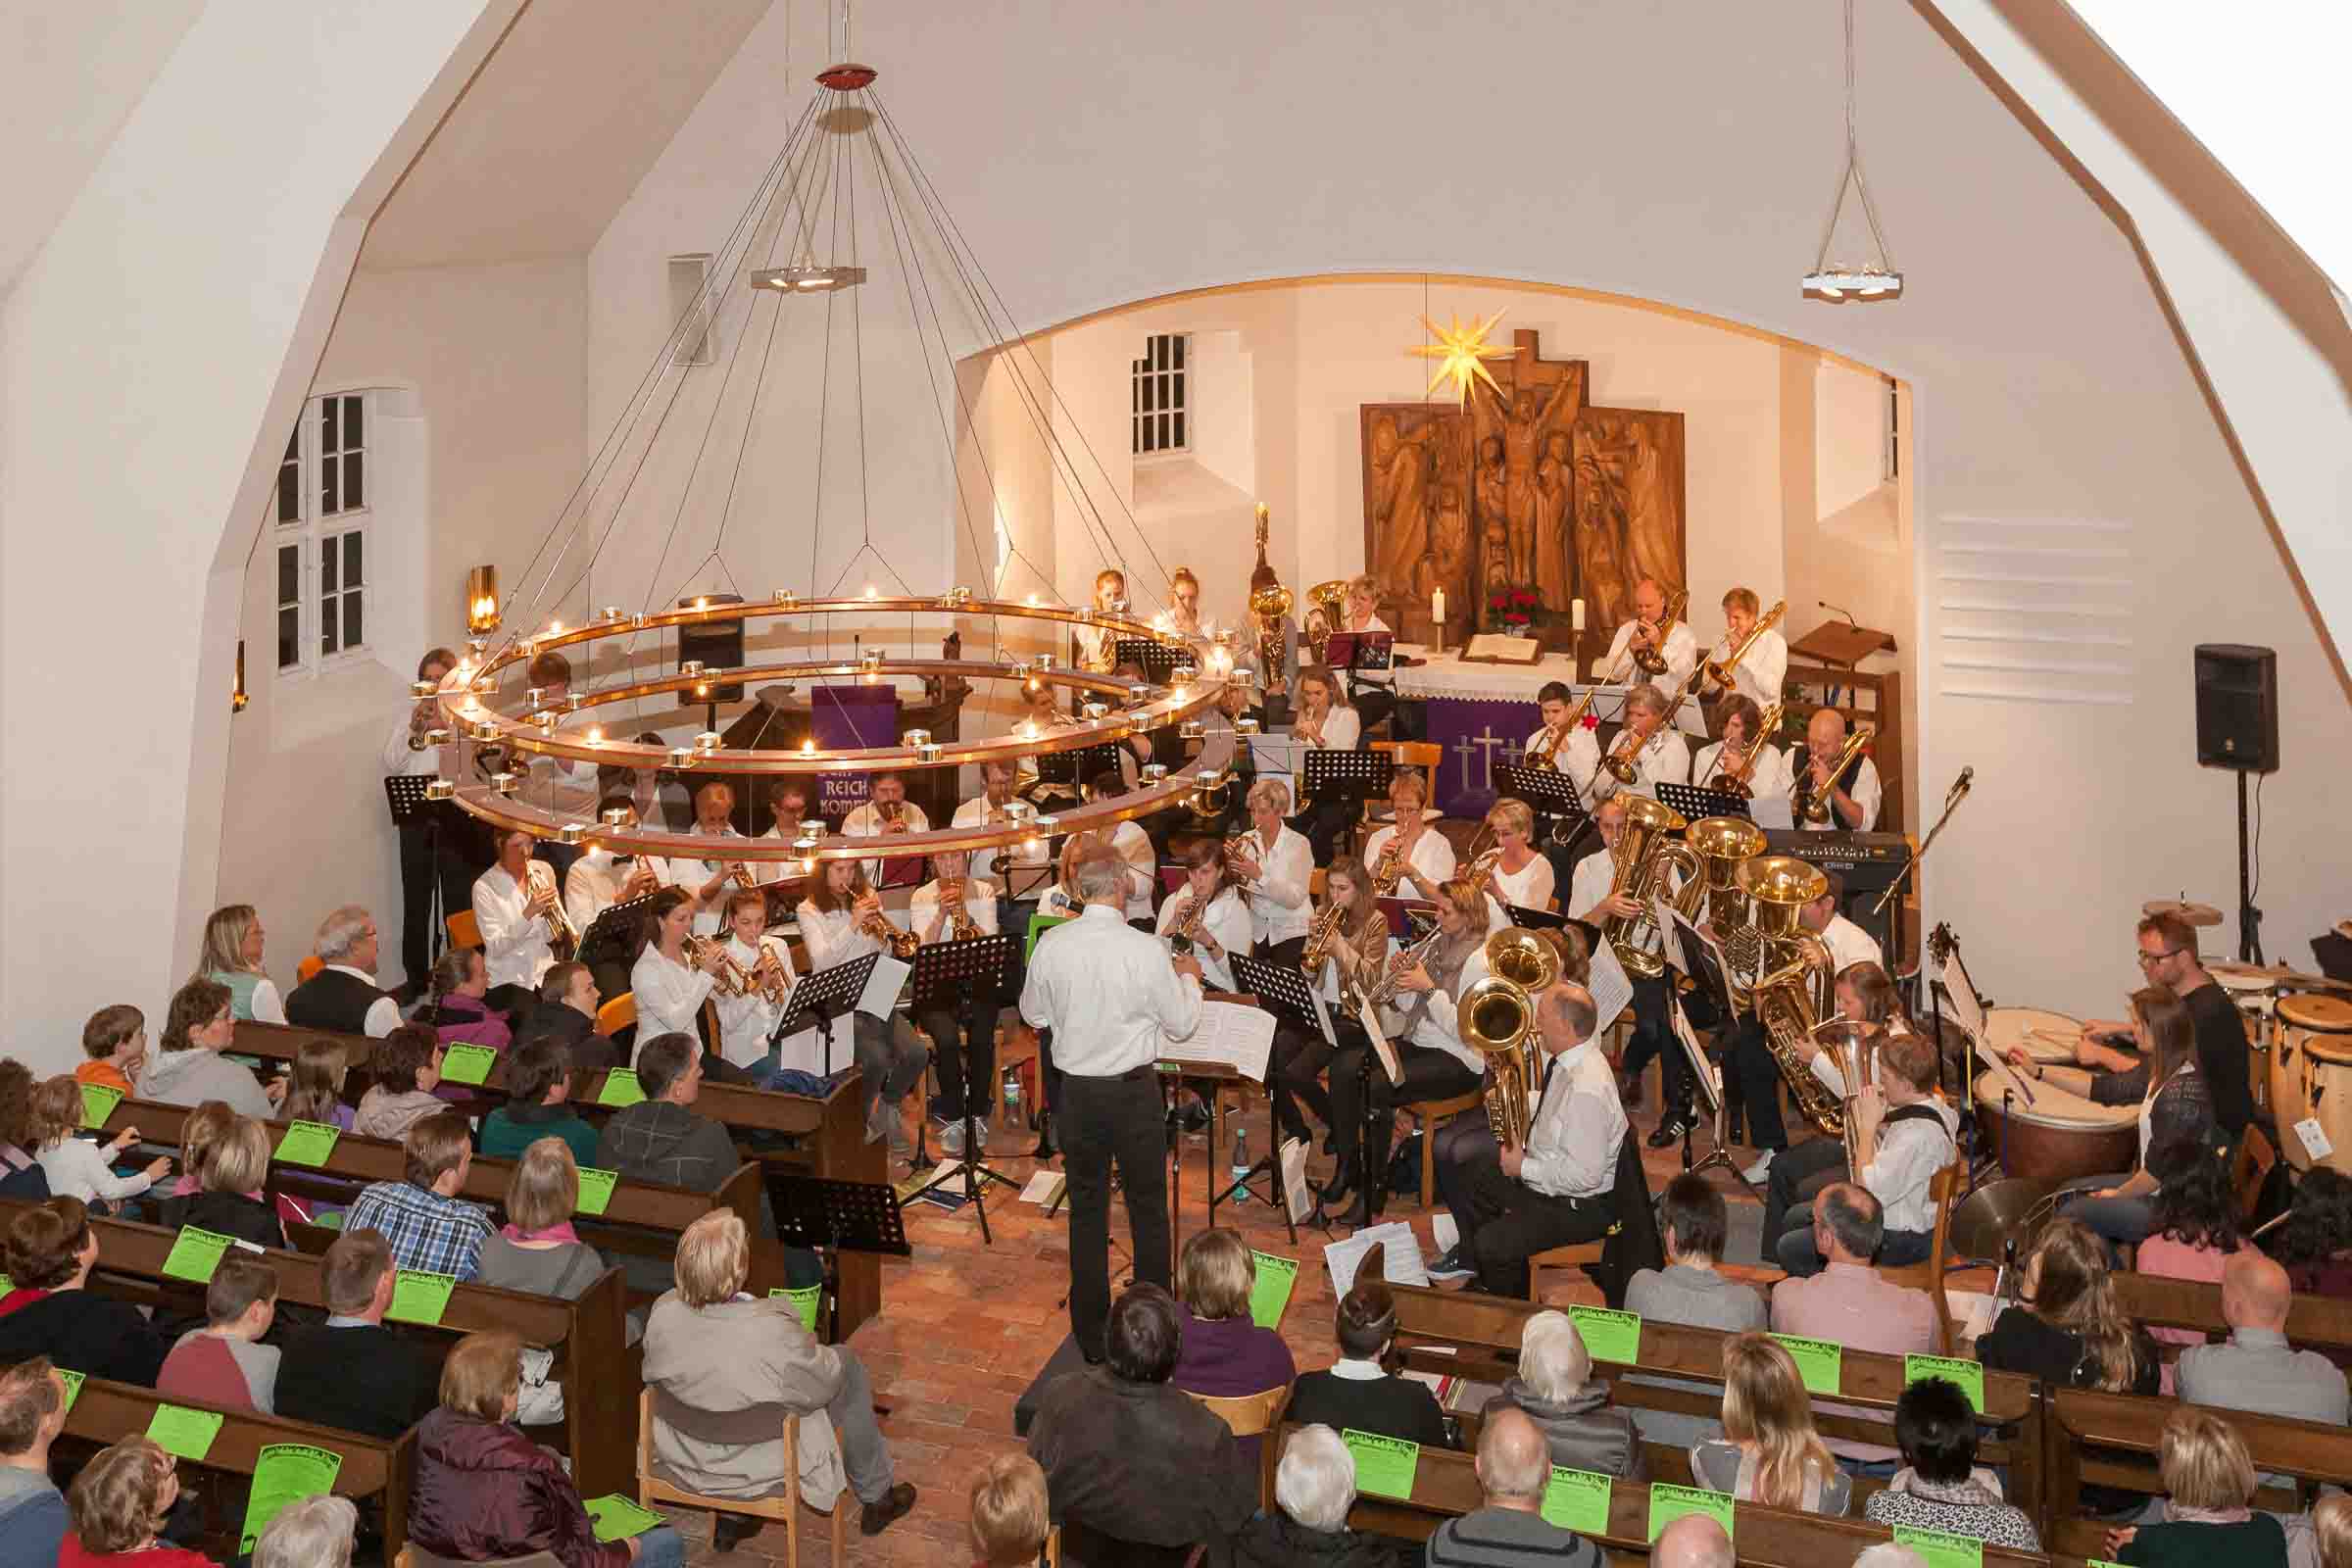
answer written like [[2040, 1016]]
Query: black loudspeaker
[[718, 644], [2237, 707]]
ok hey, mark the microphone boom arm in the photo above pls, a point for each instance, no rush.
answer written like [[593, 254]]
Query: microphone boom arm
[[1951, 803]]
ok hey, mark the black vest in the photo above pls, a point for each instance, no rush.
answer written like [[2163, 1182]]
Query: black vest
[[332, 1000]]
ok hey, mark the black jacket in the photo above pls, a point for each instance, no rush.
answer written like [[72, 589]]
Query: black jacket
[[362, 1378], [1140, 1462], [332, 1000], [1390, 1407], [575, 1032], [93, 1335], [235, 1215], [1277, 1540]]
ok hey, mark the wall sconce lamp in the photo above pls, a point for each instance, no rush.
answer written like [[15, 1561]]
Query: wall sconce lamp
[[236, 692]]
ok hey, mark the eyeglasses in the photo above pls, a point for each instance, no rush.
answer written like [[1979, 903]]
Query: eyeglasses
[[2147, 959]]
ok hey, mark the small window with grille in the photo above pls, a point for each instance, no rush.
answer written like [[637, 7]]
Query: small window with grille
[[1161, 407]]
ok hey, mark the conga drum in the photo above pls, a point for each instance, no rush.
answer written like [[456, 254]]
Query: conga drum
[[2058, 1138], [2046, 1036], [2254, 990], [2311, 1077]]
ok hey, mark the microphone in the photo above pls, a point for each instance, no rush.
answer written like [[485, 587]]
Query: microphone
[[1843, 611], [1960, 785]]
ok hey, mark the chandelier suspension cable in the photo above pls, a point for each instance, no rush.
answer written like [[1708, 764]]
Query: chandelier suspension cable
[[1834, 280]]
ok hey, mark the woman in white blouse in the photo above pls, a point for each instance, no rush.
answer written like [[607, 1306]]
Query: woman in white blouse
[[1424, 860], [1519, 875], [1275, 866], [887, 1054], [670, 991], [1371, 691], [1736, 719], [746, 1021], [1324, 722], [1222, 908], [513, 909]]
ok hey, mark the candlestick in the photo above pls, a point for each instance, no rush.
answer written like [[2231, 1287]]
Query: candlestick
[[1576, 614], [1436, 606]]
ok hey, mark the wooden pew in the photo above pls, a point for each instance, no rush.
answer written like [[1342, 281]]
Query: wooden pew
[[588, 1335], [1485, 1332], [105, 1413], [2320, 1323], [1446, 1485], [2088, 1431]]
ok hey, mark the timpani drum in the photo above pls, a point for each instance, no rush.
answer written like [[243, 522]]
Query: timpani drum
[[2045, 1036], [2059, 1138], [2311, 1076], [2255, 991]]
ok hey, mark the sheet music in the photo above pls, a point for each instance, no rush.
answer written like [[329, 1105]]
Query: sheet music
[[882, 987], [1444, 1230], [1381, 1047], [2003, 1075], [1294, 1197], [1404, 1265], [1661, 914], [1771, 811], [1963, 997], [1230, 1034], [1709, 1076], [1323, 1016], [1612, 992], [1044, 1187]]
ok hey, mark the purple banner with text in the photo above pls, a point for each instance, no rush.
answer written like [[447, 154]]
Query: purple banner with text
[[1474, 736]]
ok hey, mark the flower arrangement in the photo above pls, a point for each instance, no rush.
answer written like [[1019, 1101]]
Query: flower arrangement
[[1512, 608]]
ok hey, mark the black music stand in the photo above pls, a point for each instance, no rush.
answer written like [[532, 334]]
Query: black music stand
[[975, 968], [1550, 792], [1286, 992], [1696, 803], [1702, 1075], [825, 996], [1073, 768], [830, 1217], [405, 798], [616, 924], [1535, 920], [1346, 775], [1156, 660]]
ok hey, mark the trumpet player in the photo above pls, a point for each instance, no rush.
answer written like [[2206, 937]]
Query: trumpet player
[[1209, 914], [748, 1015], [516, 906], [1422, 861], [1649, 633], [1592, 899], [707, 876], [955, 907], [669, 984], [887, 813], [1738, 726], [1357, 949], [1275, 866], [405, 753], [1325, 721], [1854, 794], [1866, 998], [1095, 646], [1659, 753], [1905, 1135], [843, 919], [1001, 865], [1515, 874], [1760, 673]]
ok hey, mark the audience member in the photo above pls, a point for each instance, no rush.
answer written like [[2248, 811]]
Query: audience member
[[1694, 1224], [351, 1371], [2331, 1530], [1314, 1488], [537, 1250], [2315, 1242], [455, 1010], [1940, 1486], [113, 1048], [1556, 1388], [1009, 1517], [78, 1166], [342, 998], [485, 1490], [314, 1533], [538, 1104], [2193, 1230], [566, 1014], [712, 1353], [1694, 1541], [1847, 1303], [661, 1140], [49, 1254], [119, 1503], [407, 1065], [229, 1181], [1510, 1531], [1225, 1352], [225, 1363], [231, 955], [188, 1068], [21, 1173], [422, 1217], [1888, 1554], [32, 1511], [2256, 1369], [1357, 1390], [2208, 1521], [1769, 1452], [2067, 1329], [315, 1088], [1131, 1463], [199, 1131]]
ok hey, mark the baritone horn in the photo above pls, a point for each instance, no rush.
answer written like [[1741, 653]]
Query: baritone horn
[[1496, 1018]]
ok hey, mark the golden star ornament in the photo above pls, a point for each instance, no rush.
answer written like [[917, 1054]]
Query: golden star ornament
[[1460, 352]]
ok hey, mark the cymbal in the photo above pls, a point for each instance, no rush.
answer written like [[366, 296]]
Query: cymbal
[[2247, 971], [2193, 913], [2304, 980]]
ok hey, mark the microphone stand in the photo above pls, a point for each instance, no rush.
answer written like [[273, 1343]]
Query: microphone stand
[[1951, 803]]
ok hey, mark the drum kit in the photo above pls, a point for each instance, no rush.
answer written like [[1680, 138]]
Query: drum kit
[[2299, 1050]]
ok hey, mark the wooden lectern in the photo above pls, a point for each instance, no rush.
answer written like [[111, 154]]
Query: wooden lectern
[[1842, 644]]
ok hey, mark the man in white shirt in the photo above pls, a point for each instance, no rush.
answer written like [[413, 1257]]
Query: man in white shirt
[[512, 906], [887, 813], [1854, 795], [1016, 871], [1644, 633], [405, 755], [1659, 751], [1764, 668], [342, 997], [1908, 1133], [1579, 755], [1424, 860], [1277, 866], [1750, 1058], [1556, 1190], [1110, 994], [707, 878]]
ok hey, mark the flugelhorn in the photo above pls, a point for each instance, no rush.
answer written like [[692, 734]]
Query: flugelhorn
[[902, 944]]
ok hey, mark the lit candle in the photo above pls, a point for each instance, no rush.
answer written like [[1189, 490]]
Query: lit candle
[[1436, 606], [1576, 614]]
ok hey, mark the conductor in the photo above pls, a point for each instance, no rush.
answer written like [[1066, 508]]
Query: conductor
[[1110, 993]]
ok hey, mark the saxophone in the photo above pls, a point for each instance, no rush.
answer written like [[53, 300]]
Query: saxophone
[[1642, 856], [1790, 994]]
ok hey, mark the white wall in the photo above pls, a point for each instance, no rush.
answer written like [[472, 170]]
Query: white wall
[[1849, 414]]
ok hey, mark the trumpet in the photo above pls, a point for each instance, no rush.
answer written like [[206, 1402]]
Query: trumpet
[[769, 977], [1321, 936], [563, 936], [1388, 868], [711, 953], [1808, 806], [1652, 659], [891, 812], [1718, 671], [961, 925], [902, 944]]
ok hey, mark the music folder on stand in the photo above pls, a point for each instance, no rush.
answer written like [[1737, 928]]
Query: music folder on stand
[[825, 996], [945, 974], [406, 799]]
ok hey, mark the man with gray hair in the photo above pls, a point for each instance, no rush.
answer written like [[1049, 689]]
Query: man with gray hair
[[1694, 1541], [1109, 994], [343, 995], [1510, 1532], [314, 1533], [1849, 1302], [1314, 1486], [1554, 1389]]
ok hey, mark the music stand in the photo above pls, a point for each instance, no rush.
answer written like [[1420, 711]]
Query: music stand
[[1285, 992], [1549, 790], [830, 1217], [1696, 803], [615, 926], [1346, 775], [1156, 660], [1075, 767], [406, 800], [1535, 920], [825, 996], [950, 971], [1702, 1074]]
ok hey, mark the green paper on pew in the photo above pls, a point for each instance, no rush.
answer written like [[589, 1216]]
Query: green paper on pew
[[195, 1255], [308, 1143], [1669, 1504], [420, 1297], [803, 1301], [1820, 1362], [283, 1475], [622, 1089], [98, 1101], [618, 1518], [1941, 1549], [596, 1189], [187, 1433], [1607, 1335], [1038, 925], [1969, 1375], [1578, 1501], [73, 1382], [1270, 1290], [1384, 1466], [468, 1064]]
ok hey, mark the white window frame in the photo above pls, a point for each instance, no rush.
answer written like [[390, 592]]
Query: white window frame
[[314, 531], [1160, 415]]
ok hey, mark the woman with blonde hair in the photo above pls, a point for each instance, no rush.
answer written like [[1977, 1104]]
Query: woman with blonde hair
[[1294, 1069], [119, 1503], [1769, 1452], [2067, 1329], [2331, 1526], [2208, 1518], [1225, 1352], [537, 1250], [1519, 876], [230, 1176], [231, 957]]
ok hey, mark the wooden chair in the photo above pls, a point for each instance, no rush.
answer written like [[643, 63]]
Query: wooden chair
[[2256, 1159], [1580, 1255], [652, 1489], [416, 1557], [618, 1014], [1433, 1114], [1942, 1187], [1254, 1415], [464, 931]]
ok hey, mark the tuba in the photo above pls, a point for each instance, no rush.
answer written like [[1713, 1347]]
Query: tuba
[[1496, 1018], [1270, 602], [1792, 989], [1854, 1048], [1722, 845], [1332, 599], [1641, 857]]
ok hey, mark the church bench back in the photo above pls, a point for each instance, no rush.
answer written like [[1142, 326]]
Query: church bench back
[[2313, 1322]]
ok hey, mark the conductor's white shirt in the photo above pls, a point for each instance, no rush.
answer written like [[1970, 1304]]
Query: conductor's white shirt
[[1132, 846], [515, 948], [1682, 657], [1109, 994], [1279, 907], [668, 995]]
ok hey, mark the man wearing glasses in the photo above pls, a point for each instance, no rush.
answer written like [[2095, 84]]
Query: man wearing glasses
[[2168, 957]]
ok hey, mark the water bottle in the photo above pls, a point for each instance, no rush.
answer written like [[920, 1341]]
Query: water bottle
[[1241, 1156], [1012, 1096]]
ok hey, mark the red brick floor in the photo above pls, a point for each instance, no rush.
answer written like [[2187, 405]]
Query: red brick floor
[[965, 1327]]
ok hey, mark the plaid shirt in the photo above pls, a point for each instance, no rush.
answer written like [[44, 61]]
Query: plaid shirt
[[428, 1231]]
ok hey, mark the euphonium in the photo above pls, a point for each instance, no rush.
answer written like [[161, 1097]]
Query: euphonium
[[1790, 994], [1810, 808], [1496, 1018], [1642, 857], [1653, 659]]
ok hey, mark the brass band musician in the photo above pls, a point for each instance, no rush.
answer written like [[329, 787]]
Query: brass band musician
[[1359, 947], [886, 814], [1211, 912], [1423, 860], [1854, 794], [406, 754], [1648, 632], [1184, 610], [1095, 648], [746, 1018], [668, 980], [1369, 690], [1570, 749], [1738, 722], [1001, 863], [514, 907], [598, 880], [1658, 751], [954, 907], [1906, 1135], [1592, 899], [1518, 874], [1750, 1059], [1325, 721], [788, 808], [707, 876], [1764, 668], [1274, 865], [842, 919]]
